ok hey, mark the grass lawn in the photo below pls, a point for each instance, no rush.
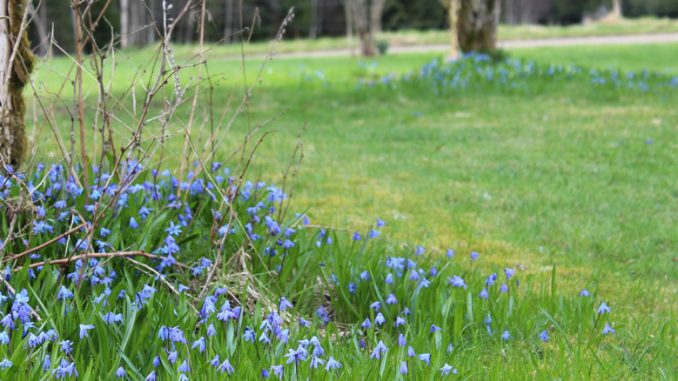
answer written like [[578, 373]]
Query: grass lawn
[[566, 175], [438, 37]]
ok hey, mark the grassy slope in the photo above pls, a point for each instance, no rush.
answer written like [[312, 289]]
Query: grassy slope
[[564, 176], [506, 32]]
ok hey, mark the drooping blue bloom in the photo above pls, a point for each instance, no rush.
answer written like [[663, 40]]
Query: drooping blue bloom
[[401, 340], [226, 367], [584, 292], [410, 352], [399, 321], [403, 367], [435, 328], [277, 370], [389, 278], [357, 236], [450, 253], [426, 358], [608, 329], [65, 369], [296, 355], [200, 344], [151, 376], [366, 324], [544, 336], [365, 275], [4, 337], [184, 367], [215, 361], [84, 330], [506, 336], [456, 281], [133, 223], [484, 294], [316, 361], [284, 304], [120, 372], [156, 361], [446, 369], [332, 364], [474, 256], [603, 309], [5, 364], [379, 319], [46, 363], [64, 293], [419, 250], [66, 346], [379, 350], [391, 299]]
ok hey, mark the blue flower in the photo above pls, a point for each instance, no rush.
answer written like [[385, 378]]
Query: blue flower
[[66, 346], [608, 329], [401, 340], [151, 376], [5, 364], [484, 294], [391, 299], [403, 367], [474, 256], [446, 369], [584, 292], [120, 372], [64, 293], [450, 253], [46, 363], [379, 350], [419, 250], [200, 344], [366, 324], [603, 309], [284, 304], [379, 319], [332, 364], [184, 368], [277, 370], [316, 361], [435, 328], [505, 336], [84, 329], [426, 358], [226, 367], [544, 336], [133, 223], [356, 236]]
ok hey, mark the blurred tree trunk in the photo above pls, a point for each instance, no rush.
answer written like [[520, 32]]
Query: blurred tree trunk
[[228, 20], [453, 12], [477, 22], [348, 14], [40, 22], [124, 23], [376, 11], [617, 9], [366, 20], [15, 68]]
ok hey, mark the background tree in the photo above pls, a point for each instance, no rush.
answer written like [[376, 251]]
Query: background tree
[[16, 64], [477, 22]]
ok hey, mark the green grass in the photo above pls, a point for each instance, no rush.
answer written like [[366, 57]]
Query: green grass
[[560, 175], [440, 37]]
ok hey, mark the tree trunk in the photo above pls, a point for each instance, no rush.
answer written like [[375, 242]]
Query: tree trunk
[[617, 9], [348, 14], [40, 22], [477, 25], [15, 68], [361, 23], [124, 23], [376, 11], [228, 20], [452, 13], [313, 23]]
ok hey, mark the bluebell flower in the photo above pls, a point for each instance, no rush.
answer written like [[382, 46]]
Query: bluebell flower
[[456, 281], [133, 223], [296, 355], [391, 299], [379, 319], [380, 223], [184, 367], [434, 328], [419, 250], [403, 367], [172, 356], [120, 372], [608, 329], [46, 363], [66, 346], [484, 294], [277, 370], [505, 336], [447, 369], [64, 293], [584, 292], [544, 336], [401, 340], [426, 358], [509, 272], [450, 253], [5, 364], [474, 256], [389, 278], [316, 361], [503, 288], [200, 344], [332, 364], [356, 236], [399, 321], [410, 351], [375, 306], [84, 329], [65, 369], [284, 304], [226, 367], [379, 350], [151, 376], [372, 234], [215, 361], [603, 309]]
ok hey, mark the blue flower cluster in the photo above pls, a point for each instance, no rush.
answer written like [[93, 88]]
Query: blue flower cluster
[[115, 256]]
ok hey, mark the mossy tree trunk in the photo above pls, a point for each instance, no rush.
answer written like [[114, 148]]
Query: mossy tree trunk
[[477, 22], [16, 64]]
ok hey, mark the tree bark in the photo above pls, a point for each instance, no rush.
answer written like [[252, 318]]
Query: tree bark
[[453, 13], [228, 20], [361, 22], [40, 22], [617, 9], [376, 11], [16, 64], [477, 25], [124, 23]]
